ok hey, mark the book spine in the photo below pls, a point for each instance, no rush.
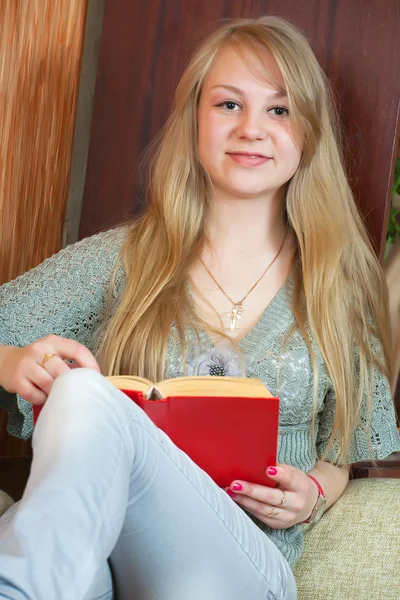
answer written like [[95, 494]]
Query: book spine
[[156, 410]]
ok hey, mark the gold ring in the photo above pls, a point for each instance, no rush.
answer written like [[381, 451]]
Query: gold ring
[[46, 358], [283, 500], [273, 512]]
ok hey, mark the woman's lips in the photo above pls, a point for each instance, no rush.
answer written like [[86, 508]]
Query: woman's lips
[[248, 160]]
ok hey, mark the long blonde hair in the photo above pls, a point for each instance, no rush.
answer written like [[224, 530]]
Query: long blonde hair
[[340, 293]]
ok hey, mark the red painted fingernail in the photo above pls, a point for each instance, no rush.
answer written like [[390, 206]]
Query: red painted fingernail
[[237, 487], [272, 471], [230, 493]]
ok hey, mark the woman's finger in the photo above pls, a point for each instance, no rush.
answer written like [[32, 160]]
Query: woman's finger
[[72, 350], [31, 393], [288, 477], [256, 506], [55, 366], [262, 493], [43, 376], [276, 517]]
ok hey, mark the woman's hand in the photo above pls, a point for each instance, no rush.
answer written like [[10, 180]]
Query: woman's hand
[[31, 370], [288, 504]]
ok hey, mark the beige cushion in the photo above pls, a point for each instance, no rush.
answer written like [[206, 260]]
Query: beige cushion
[[5, 502], [353, 553]]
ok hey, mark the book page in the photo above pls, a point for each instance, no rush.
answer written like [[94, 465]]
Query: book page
[[214, 386], [194, 386], [130, 382]]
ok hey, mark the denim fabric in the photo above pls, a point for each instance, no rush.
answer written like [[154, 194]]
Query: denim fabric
[[107, 485]]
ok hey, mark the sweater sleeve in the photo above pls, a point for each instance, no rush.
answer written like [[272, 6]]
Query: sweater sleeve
[[376, 436], [65, 296]]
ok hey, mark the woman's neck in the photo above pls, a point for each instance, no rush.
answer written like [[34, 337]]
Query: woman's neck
[[245, 226], [243, 259]]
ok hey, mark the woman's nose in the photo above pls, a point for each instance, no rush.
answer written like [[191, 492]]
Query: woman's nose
[[252, 127]]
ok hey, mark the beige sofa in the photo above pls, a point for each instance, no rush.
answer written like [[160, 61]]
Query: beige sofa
[[353, 553], [5, 502]]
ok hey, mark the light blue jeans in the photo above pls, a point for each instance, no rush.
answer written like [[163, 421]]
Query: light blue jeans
[[107, 484]]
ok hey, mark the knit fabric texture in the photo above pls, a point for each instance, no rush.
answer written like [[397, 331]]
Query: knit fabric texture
[[66, 295]]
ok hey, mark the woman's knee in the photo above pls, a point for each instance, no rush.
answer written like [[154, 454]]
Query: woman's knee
[[79, 378], [77, 385], [81, 392]]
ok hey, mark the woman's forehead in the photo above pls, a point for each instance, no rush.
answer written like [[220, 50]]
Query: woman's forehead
[[234, 63]]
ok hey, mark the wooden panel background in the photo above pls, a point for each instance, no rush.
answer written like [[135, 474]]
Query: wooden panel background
[[40, 54], [146, 45]]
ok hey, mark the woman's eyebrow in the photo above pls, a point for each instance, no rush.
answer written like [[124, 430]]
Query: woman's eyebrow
[[278, 95]]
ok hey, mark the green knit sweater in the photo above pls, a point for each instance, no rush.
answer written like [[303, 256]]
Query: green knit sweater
[[66, 296]]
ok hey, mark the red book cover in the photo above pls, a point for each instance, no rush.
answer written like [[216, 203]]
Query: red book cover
[[229, 437]]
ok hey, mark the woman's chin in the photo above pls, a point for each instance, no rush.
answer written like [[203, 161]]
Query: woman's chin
[[248, 193]]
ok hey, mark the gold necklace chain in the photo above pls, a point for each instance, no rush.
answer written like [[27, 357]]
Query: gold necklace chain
[[237, 307]]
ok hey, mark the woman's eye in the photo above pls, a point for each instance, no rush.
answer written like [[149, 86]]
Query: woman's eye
[[229, 105], [280, 111]]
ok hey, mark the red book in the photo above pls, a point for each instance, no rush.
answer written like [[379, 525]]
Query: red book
[[227, 425]]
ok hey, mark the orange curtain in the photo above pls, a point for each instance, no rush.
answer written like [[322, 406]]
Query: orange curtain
[[41, 45], [40, 54]]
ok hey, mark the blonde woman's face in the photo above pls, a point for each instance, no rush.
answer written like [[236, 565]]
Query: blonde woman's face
[[245, 138]]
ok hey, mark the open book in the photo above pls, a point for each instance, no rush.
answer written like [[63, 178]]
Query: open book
[[226, 425]]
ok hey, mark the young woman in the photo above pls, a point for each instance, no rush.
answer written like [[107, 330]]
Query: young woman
[[251, 259]]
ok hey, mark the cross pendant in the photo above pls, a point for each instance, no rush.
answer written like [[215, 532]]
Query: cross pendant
[[235, 314]]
